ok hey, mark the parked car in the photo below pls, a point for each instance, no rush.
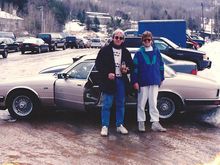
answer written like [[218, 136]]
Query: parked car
[[12, 45], [80, 42], [20, 40], [54, 40], [77, 88], [174, 51], [96, 43], [34, 45], [197, 39], [71, 42], [177, 65], [3, 49], [7, 35], [190, 43], [180, 65]]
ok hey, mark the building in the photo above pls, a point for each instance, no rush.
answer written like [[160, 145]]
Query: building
[[10, 22], [104, 18]]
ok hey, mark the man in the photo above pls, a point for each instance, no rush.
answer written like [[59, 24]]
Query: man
[[114, 80], [147, 77]]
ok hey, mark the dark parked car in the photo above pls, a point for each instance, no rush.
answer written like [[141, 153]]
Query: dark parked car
[[54, 40], [3, 49], [197, 39], [174, 51], [177, 65], [34, 45], [11, 44], [71, 42]]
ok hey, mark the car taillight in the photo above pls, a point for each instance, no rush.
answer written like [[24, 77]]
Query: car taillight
[[194, 71], [34, 45]]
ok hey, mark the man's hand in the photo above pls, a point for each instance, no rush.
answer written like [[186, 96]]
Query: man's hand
[[136, 86], [111, 76], [124, 70]]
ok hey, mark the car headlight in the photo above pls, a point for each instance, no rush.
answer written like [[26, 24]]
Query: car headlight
[[205, 57]]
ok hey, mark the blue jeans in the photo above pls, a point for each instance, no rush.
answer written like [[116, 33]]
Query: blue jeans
[[119, 100]]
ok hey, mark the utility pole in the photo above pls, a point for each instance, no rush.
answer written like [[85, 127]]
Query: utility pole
[[203, 25], [42, 19]]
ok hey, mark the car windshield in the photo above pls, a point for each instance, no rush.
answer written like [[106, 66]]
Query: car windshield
[[81, 71], [96, 40]]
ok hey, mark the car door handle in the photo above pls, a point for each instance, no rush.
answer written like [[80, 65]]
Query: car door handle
[[79, 85]]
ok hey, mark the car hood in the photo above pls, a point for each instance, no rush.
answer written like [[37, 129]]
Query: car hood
[[190, 50], [29, 82]]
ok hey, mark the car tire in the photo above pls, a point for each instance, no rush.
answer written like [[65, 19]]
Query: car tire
[[166, 106], [39, 50], [54, 48], [17, 49], [22, 105], [5, 54], [22, 52], [64, 47]]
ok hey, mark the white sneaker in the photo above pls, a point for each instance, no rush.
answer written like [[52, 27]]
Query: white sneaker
[[121, 129], [141, 126], [157, 127], [104, 131]]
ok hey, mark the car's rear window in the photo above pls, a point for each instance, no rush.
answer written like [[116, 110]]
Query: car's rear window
[[70, 39]]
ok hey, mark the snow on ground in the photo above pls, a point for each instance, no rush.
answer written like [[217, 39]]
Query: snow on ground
[[212, 50]]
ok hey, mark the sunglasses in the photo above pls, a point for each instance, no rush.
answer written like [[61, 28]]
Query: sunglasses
[[147, 39], [119, 38]]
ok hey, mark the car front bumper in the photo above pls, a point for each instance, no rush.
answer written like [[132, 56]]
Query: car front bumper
[[205, 64]]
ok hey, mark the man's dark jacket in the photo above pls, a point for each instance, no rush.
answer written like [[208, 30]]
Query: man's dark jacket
[[105, 64]]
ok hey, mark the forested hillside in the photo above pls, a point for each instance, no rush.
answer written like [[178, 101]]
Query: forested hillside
[[57, 12]]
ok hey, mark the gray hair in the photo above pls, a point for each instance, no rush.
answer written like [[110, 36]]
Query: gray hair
[[118, 31]]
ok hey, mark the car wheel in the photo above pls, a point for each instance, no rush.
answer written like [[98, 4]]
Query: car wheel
[[5, 54], [22, 52], [64, 47], [166, 107], [54, 48], [39, 50], [22, 105]]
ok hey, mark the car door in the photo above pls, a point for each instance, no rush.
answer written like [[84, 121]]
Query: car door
[[69, 91]]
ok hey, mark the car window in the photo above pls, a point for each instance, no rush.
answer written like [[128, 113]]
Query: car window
[[133, 42], [161, 45], [81, 71]]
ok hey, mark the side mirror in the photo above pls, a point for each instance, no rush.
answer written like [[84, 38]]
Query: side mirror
[[62, 76]]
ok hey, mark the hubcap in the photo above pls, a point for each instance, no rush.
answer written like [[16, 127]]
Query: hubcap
[[22, 105], [166, 107]]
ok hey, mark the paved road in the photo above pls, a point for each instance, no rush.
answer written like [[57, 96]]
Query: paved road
[[67, 137]]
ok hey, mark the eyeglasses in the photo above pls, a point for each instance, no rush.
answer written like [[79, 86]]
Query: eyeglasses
[[147, 39], [119, 38]]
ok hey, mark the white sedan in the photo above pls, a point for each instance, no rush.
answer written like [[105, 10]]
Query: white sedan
[[77, 88]]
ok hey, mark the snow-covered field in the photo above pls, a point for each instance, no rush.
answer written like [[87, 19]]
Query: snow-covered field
[[212, 50]]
